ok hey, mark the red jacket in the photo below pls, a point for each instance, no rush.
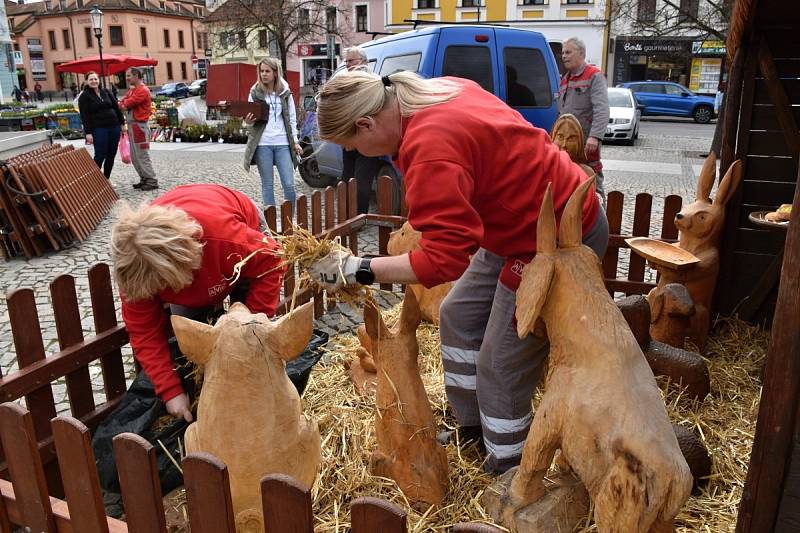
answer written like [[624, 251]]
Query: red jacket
[[138, 99], [230, 225], [475, 172]]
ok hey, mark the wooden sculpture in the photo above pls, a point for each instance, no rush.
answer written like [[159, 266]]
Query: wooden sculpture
[[601, 406], [567, 134], [361, 367], [403, 241], [700, 225], [249, 414], [405, 430], [671, 311]]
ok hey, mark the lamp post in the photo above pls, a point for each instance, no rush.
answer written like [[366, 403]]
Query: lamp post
[[97, 25]]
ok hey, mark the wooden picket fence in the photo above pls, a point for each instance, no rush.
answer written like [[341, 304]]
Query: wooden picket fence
[[48, 458]]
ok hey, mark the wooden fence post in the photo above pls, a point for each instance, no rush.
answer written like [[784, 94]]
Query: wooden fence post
[[208, 493], [105, 317], [139, 484], [316, 229], [286, 505], [373, 514]]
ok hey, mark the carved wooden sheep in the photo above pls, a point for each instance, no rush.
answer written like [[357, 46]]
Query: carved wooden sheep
[[601, 406], [249, 414], [405, 430]]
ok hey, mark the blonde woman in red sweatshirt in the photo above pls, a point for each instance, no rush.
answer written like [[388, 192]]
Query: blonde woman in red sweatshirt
[[475, 173]]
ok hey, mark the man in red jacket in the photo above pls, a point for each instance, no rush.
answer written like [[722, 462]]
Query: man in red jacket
[[475, 173], [136, 103], [181, 249]]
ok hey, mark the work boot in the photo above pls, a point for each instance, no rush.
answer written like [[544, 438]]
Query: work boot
[[463, 435], [149, 187], [138, 185]]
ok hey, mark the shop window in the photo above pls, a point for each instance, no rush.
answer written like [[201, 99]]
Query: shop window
[[65, 35], [183, 71], [169, 70], [51, 35], [397, 63], [361, 18], [87, 32], [115, 36], [180, 39], [166, 41], [527, 81], [470, 62], [646, 11], [143, 36]]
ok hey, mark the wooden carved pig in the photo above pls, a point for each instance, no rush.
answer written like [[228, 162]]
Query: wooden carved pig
[[249, 414], [403, 241], [601, 406], [700, 225], [404, 426]]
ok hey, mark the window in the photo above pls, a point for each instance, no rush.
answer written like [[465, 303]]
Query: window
[[398, 63], [183, 70], [180, 39], [648, 88], [65, 35], [471, 62], [143, 3], [87, 32], [580, 1], [303, 17], [163, 5], [527, 82], [202, 40], [166, 41], [169, 70], [52, 36], [646, 11], [471, 3], [330, 19], [79, 3], [426, 4], [688, 10], [143, 35], [534, 2], [241, 38], [263, 40], [673, 90], [115, 35], [361, 18], [198, 10]]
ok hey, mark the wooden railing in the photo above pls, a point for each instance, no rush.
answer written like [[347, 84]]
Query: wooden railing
[[32, 444]]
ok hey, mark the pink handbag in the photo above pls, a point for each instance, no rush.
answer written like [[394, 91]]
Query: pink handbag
[[124, 148]]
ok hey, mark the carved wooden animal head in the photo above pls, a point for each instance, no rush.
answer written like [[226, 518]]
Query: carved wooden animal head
[[243, 338], [701, 221], [403, 240], [402, 336], [567, 134], [566, 259], [674, 300]]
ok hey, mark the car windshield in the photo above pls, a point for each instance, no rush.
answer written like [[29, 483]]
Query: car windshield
[[619, 99]]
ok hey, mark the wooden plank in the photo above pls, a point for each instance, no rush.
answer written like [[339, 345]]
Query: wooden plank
[[352, 212], [762, 91], [373, 514], [81, 484], [732, 108], [271, 216], [27, 475], [777, 412], [780, 98], [139, 484], [772, 193], [787, 67], [70, 333], [286, 505], [771, 143], [759, 241], [105, 318], [614, 203], [341, 206], [765, 168], [5, 522], [641, 228], [286, 229], [747, 268], [788, 520], [208, 494], [316, 229], [385, 185], [764, 117], [330, 221], [672, 206]]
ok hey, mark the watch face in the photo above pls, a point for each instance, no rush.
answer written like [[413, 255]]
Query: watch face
[[364, 274]]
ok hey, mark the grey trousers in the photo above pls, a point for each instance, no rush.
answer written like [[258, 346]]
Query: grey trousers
[[139, 140], [490, 374]]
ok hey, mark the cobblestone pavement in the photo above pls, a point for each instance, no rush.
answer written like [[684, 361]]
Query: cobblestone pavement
[[657, 165]]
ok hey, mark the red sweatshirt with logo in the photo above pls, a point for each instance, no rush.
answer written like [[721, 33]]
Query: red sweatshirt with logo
[[138, 99], [475, 173], [230, 223]]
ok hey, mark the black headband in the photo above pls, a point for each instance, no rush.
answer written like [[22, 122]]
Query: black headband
[[386, 81]]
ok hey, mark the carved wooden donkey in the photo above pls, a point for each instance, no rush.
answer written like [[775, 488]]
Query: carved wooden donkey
[[700, 224], [601, 405], [249, 414], [404, 426]]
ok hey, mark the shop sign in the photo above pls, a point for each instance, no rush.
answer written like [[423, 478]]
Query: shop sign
[[653, 47], [38, 69], [318, 49], [708, 48]]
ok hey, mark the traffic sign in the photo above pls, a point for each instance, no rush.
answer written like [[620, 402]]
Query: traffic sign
[[194, 59]]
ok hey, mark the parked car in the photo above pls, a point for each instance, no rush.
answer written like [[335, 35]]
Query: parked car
[[515, 64], [672, 99], [623, 116], [198, 87], [174, 90]]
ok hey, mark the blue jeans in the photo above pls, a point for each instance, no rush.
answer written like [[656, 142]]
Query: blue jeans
[[266, 156], [106, 141]]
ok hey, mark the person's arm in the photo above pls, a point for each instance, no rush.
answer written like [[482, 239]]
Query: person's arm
[[117, 110], [86, 115], [599, 98]]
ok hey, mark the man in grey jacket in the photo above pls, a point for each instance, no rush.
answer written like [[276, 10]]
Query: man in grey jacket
[[584, 93]]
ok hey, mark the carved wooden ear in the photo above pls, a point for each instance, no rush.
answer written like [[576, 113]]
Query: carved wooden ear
[[532, 292], [570, 233], [707, 176], [546, 225], [373, 321], [729, 183], [410, 316], [195, 339], [289, 335]]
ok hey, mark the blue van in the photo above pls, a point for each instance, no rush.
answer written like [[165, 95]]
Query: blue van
[[515, 64]]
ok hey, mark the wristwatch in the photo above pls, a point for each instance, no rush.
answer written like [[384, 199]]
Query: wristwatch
[[364, 274]]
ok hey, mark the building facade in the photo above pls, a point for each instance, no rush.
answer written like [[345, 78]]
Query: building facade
[[47, 34], [7, 81]]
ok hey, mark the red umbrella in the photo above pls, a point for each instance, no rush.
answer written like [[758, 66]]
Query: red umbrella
[[112, 64]]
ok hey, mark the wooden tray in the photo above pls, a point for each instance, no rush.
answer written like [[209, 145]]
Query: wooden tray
[[662, 254], [757, 218]]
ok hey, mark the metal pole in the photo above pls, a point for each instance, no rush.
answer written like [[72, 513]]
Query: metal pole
[[102, 67]]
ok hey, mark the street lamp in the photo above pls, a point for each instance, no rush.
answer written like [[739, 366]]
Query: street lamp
[[97, 25]]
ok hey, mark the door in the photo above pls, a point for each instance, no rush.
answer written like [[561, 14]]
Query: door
[[468, 53], [677, 100], [650, 95]]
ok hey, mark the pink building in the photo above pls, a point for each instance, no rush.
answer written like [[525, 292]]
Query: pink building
[[49, 33]]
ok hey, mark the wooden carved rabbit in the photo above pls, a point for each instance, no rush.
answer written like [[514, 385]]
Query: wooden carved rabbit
[[249, 414], [601, 406], [700, 224], [404, 426]]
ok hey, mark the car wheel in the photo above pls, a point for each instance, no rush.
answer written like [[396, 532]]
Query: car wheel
[[397, 191], [702, 114], [309, 170]]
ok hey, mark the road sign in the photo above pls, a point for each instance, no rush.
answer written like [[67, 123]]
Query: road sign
[[194, 59]]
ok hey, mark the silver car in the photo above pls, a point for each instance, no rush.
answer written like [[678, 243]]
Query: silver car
[[624, 116]]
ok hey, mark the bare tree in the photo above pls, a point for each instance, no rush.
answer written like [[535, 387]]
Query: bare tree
[[655, 18], [237, 23]]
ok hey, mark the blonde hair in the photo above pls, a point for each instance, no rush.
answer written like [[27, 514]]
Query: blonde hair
[[351, 95], [154, 248], [277, 83]]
